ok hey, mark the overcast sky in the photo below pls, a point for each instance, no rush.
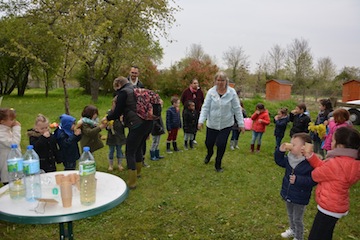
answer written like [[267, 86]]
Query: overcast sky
[[331, 27]]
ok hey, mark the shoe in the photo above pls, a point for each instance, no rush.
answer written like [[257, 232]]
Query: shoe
[[206, 160], [194, 142], [169, 151], [121, 168], [110, 168], [145, 164], [237, 147], [232, 148], [219, 169], [288, 233]]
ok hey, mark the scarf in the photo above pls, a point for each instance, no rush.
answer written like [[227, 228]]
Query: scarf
[[294, 160], [347, 152]]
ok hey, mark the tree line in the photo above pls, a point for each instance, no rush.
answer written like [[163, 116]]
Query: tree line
[[95, 41]]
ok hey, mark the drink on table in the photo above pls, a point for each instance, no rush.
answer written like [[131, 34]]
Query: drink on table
[[32, 174], [87, 170], [16, 175]]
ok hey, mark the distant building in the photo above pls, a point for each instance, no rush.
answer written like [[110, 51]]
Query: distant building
[[278, 89], [351, 90]]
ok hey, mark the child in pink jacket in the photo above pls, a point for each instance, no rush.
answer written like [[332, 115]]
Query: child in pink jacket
[[260, 119], [339, 119], [334, 176]]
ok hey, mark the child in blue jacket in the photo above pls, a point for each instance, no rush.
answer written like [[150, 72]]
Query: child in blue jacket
[[297, 183], [173, 124], [67, 138]]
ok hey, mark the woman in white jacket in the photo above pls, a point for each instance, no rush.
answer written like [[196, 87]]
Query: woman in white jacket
[[220, 106]]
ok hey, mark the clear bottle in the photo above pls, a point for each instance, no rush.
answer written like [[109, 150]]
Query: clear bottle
[[87, 170], [16, 175], [32, 174]]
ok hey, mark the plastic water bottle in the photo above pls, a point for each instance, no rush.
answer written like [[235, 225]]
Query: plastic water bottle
[[32, 174], [87, 170], [16, 175]]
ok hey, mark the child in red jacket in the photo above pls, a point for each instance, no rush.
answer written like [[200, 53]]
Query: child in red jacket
[[260, 119], [334, 176]]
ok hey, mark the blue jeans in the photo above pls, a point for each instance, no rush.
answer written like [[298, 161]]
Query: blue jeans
[[258, 136], [235, 134], [119, 153], [278, 140]]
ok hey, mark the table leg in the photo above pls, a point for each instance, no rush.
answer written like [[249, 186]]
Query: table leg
[[66, 233]]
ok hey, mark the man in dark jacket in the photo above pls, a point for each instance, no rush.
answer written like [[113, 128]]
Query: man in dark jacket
[[139, 129]]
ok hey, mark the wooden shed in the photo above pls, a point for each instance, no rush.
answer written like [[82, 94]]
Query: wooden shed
[[351, 90], [278, 89]]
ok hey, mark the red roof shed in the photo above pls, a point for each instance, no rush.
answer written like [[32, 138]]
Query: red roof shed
[[351, 90], [278, 89]]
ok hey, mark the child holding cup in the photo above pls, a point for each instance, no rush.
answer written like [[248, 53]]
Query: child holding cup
[[297, 183], [334, 176]]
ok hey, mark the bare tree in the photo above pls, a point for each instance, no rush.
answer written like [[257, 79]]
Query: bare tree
[[237, 62], [276, 60], [299, 65], [197, 52]]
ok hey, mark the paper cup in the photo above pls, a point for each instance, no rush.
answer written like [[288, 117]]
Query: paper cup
[[309, 147], [72, 178], [58, 178], [288, 146], [66, 194]]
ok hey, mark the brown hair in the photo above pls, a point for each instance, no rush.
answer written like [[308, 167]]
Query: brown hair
[[302, 106], [7, 113], [349, 137], [120, 81], [89, 111], [303, 136], [260, 106], [341, 115], [284, 110], [174, 99]]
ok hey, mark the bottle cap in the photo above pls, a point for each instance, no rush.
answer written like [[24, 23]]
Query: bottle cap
[[86, 149], [30, 147], [14, 145]]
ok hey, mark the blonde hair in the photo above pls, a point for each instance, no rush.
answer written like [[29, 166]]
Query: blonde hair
[[41, 118], [221, 75]]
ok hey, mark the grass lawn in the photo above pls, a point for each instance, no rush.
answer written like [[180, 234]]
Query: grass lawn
[[179, 197]]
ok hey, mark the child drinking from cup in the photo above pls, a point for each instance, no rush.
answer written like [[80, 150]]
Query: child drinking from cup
[[334, 176], [297, 183]]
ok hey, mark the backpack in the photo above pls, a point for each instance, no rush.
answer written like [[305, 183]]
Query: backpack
[[148, 105]]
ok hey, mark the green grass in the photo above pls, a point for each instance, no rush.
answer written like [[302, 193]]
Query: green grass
[[179, 197]]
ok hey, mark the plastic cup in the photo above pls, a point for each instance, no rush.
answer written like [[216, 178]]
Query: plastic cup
[[288, 146], [58, 178], [309, 147], [66, 193]]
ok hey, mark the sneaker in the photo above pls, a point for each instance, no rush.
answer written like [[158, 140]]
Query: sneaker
[[219, 170], [110, 168], [232, 148], [145, 164], [288, 233], [169, 151], [206, 160], [237, 147], [194, 142], [121, 168]]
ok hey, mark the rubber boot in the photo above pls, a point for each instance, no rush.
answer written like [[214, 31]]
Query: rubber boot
[[252, 147], [168, 150], [157, 154], [191, 143], [236, 144], [186, 145], [132, 179], [110, 164], [258, 148], [232, 144], [153, 156], [175, 147], [121, 168], [138, 168]]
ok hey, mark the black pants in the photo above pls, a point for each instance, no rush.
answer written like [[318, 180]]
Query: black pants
[[134, 143], [323, 227], [220, 138]]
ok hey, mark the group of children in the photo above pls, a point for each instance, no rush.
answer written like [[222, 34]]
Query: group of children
[[304, 167]]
